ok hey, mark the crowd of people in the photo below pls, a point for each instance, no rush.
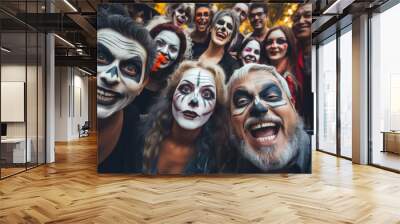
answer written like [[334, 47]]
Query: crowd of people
[[188, 93]]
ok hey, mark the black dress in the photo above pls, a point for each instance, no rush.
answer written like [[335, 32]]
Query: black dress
[[126, 157], [198, 49], [229, 65], [146, 99]]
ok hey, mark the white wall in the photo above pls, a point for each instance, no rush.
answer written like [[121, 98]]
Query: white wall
[[71, 102]]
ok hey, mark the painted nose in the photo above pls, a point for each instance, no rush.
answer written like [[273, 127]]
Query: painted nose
[[164, 50], [258, 110], [110, 77], [194, 102]]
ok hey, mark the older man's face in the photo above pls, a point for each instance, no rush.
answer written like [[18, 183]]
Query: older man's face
[[264, 119]]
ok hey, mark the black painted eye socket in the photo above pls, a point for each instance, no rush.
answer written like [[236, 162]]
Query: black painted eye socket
[[104, 57], [185, 89], [241, 101], [221, 22], [130, 68], [207, 94], [279, 41], [272, 97], [257, 52], [230, 26]]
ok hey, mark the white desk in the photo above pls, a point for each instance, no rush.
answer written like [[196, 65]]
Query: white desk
[[18, 149]]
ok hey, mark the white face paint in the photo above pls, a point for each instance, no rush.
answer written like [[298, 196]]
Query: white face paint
[[168, 44], [251, 52], [121, 64], [194, 99], [180, 17], [222, 31]]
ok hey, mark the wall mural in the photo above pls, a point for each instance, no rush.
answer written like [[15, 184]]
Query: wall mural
[[197, 88]]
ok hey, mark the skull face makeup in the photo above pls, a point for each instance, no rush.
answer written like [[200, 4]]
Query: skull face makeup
[[251, 52], [263, 119], [222, 30], [168, 44], [194, 99], [202, 18], [120, 71], [180, 16], [276, 45]]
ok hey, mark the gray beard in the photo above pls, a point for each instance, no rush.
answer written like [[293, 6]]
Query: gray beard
[[265, 158]]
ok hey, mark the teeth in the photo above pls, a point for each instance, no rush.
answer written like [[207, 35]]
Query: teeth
[[266, 139], [263, 125], [106, 94]]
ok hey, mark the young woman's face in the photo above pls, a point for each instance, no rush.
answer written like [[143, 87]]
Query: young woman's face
[[180, 16], [168, 44], [194, 99], [251, 52], [222, 31], [276, 45]]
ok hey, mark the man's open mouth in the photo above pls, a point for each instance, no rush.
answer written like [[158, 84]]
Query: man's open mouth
[[189, 114], [250, 59], [264, 133], [107, 97], [221, 35]]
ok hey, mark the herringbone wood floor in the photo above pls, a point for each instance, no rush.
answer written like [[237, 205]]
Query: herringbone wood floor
[[70, 191]]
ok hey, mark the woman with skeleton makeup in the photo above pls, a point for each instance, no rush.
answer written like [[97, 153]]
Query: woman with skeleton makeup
[[186, 128], [181, 14], [223, 30], [125, 53], [279, 50], [249, 51], [171, 45]]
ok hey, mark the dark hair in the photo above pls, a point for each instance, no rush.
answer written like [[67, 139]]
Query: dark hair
[[291, 51], [201, 5], [116, 17], [259, 5], [245, 42]]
